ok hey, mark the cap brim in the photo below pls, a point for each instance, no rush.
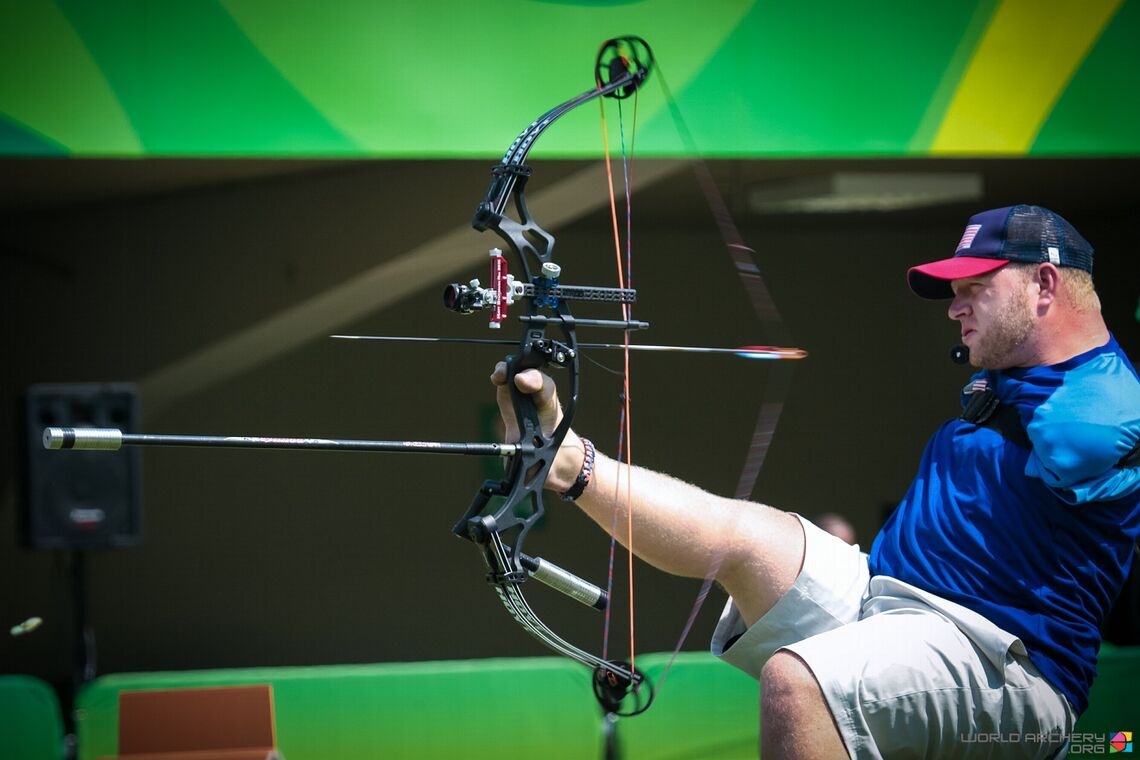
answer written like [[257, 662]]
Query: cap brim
[[933, 280]]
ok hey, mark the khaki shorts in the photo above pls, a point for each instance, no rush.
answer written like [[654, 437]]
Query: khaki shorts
[[905, 673]]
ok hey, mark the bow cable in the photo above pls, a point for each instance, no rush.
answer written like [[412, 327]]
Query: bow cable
[[772, 399]]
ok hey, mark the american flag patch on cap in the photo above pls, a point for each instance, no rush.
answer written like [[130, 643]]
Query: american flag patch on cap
[[968, 236]]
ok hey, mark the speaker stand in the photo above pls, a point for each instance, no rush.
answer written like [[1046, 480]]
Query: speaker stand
[[83, 663], [83, 650]]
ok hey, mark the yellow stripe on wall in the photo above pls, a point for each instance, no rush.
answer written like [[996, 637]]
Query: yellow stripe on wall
[[1023, 63]]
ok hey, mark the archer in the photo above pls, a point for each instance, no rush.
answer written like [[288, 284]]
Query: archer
[[978, 608]]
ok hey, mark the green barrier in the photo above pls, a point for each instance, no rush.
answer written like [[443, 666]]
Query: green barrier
[[471, 709], [477, 709], [31, 724], [540, 707]]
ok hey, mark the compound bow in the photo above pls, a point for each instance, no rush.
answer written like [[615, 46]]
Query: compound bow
[[502, 512], [623, 64]]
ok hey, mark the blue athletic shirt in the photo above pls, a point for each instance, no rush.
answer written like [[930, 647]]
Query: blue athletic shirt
[[1038, 542]]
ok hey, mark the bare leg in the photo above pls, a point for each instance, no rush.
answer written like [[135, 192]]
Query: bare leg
[[767, 556], [684, 530], [795, 720]]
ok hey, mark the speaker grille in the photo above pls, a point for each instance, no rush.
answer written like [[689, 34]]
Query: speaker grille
[[80, 499]]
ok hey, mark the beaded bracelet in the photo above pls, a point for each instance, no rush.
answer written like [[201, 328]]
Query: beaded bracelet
[[574, 491]]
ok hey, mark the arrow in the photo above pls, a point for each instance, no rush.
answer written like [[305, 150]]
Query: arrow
[[744, 352]]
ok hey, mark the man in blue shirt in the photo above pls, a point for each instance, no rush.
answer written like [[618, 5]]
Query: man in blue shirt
[[971, 629]]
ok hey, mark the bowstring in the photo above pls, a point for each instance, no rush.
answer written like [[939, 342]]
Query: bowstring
[[625, 437], [627, 175]]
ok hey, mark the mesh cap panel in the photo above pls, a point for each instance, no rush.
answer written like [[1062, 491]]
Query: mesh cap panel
[[1035, 234]]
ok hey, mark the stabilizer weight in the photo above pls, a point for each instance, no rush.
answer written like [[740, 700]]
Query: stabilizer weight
[[103, 439]]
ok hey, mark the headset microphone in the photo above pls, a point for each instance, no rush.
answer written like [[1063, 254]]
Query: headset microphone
[[960, 354]]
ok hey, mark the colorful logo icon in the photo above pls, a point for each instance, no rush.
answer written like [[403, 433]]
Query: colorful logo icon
[[1121, 741]]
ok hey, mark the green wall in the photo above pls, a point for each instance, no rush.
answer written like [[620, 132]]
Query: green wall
[[459, 79]]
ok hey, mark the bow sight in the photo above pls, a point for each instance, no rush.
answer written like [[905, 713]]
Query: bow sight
[[544, 290]]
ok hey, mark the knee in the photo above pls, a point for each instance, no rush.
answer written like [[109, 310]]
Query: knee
[[787, 687], [795, 720]]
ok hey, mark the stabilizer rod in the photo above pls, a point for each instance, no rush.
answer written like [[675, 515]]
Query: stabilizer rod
[[112, 439]]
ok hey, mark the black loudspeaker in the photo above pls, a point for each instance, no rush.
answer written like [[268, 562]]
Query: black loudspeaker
[[80, 499]]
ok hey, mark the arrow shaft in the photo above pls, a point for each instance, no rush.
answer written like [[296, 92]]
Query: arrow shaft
[[753, 352]]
